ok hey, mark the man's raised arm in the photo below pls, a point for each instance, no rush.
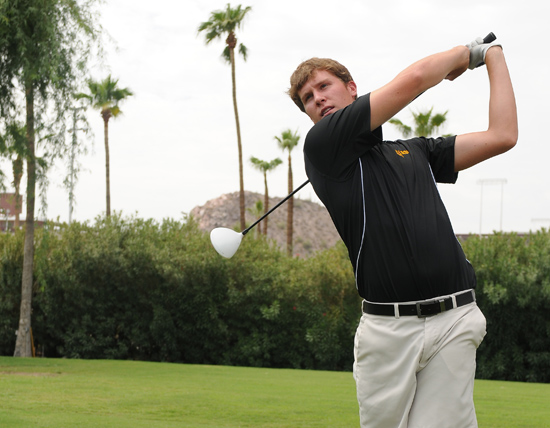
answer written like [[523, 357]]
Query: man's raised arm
[[502, 133], [390, 99]]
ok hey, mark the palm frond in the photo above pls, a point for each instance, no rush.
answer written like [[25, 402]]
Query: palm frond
[[288, 139], [404, 129], [223, 22], [438, 119], [226, 55], [243, 50]]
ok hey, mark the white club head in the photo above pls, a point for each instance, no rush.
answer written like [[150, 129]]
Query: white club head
[[225, 241]]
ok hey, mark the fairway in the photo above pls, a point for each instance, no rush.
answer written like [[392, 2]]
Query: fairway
[[105, 393]]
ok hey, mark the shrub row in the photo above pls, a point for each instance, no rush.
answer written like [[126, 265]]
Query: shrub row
[[127, 288], [513, 274], [136, 289]]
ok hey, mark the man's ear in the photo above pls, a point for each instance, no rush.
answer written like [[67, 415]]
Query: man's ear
[[352, 88]]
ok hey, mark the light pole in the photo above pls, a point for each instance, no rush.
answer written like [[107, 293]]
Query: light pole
[[502, 182]]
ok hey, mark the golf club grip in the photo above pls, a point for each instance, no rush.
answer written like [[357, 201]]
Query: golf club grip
[[489, 38]]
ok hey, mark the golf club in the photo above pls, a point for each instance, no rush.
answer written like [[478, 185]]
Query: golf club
[[226, 241]]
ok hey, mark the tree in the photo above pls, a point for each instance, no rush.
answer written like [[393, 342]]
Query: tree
[[105, 96], [265, 167], [257, 210], [287, 141], [425, 124], [44, 47], [221, 23]]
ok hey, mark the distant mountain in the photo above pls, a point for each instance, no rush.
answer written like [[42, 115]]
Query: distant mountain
[[313, 228]]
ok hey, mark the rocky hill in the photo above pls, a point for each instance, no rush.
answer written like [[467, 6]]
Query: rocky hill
[[313, 228]]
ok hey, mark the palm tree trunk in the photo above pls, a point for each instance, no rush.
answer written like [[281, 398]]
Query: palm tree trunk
[[239, 143], [290, 210], [107, 164], [23, 345]]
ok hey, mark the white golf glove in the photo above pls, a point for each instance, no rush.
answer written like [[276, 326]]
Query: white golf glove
[[478, 49]]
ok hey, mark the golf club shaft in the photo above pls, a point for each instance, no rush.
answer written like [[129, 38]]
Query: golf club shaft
[[244, 232]]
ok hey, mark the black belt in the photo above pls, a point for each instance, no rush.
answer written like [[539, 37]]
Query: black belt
[[420, 309]]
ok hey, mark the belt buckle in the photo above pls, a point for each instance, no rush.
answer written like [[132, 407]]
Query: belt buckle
[[419, 313]]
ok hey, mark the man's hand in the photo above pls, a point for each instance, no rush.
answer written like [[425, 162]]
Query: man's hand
[[478, 50]]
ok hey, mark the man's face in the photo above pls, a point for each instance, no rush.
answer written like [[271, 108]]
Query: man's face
[[324, 94]]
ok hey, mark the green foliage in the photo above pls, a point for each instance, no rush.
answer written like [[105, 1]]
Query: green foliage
[[265, 166], [11, 267], [513, 275], [44, 45], [105, 96], [226, 22], [425, 124], [44, 48], [135, 289], [128, 288], [288, 140]]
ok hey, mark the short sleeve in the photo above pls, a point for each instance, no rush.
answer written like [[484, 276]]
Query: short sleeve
[[335, 143]]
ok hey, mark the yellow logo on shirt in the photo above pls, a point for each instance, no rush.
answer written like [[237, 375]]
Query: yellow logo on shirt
[[402, 153]]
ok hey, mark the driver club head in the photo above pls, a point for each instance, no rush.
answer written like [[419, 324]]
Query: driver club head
[[225, 241]]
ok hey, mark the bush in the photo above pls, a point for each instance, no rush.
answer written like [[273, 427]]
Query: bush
[[11, 270], [127, 288], [513, 291], [136, 289]]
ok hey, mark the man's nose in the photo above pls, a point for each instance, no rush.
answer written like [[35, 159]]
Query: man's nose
[[319, 98]]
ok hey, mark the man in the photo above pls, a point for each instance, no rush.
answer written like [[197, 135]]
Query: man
[[416, 342]]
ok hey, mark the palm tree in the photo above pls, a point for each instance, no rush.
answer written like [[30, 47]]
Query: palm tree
[[257, 210], [265, 166], [287, 141], [105, 96], [425, 124], [221, 23]]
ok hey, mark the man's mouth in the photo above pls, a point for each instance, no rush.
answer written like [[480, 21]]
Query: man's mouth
[[326, 111]]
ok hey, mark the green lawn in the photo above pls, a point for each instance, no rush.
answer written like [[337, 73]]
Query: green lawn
[[83, 393]]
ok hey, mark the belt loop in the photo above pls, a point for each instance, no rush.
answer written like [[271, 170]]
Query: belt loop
[[396, 310], [454, 300]]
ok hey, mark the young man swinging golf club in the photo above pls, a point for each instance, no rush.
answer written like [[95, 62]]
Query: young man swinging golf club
[[416, 343]]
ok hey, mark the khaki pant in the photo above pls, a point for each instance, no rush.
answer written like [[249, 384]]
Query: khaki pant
[[415, 372]]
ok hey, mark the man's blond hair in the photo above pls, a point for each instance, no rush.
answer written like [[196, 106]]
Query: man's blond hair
[[307, 68]]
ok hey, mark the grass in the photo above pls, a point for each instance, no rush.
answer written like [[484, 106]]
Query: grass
[[83, 393]]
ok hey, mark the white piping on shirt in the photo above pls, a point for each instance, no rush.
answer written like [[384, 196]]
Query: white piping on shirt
[[364, 224]]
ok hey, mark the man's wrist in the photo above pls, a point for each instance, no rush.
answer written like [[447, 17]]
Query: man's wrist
[[464, 55]]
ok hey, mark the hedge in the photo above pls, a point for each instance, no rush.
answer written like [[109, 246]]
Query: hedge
[[128, 288], [137, 289]]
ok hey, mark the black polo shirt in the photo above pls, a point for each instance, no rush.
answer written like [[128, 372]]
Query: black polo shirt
[[383, 199]]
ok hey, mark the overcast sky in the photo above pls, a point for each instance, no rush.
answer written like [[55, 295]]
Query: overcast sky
[[175, 145]]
